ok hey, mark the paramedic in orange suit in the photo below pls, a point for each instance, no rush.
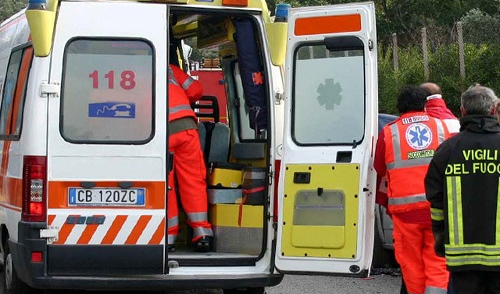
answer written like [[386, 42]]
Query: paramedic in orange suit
[[188, 164], [403, 153]]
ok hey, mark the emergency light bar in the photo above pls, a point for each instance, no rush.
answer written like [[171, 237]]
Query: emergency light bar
[[37, 5], [281, 14]]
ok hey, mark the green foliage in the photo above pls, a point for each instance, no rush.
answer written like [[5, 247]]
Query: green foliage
[[444, 70], [481, 27], [410, 72], [9, 7]]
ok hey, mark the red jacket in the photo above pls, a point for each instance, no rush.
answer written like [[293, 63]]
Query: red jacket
[[182, 91], [436, 107]]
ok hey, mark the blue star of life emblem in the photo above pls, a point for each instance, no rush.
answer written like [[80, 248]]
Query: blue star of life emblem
[[419, 136]]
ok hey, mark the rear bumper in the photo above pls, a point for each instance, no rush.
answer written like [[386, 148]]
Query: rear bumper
[[116, 275], [157, 282]]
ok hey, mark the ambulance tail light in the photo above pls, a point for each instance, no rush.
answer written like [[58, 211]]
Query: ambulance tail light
[[277, 165], [34, 204]]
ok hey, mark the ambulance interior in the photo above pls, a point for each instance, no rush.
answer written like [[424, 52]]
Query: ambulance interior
[[236, 153]]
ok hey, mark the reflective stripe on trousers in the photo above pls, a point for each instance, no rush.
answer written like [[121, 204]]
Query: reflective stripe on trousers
[[433, 290]]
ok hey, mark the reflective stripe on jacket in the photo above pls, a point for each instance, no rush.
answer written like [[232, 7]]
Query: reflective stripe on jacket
[[181, 95]]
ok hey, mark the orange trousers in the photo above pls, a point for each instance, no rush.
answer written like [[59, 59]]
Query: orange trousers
[[423, 271], [190, 171]]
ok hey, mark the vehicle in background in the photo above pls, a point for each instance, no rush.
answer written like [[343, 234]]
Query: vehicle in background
[[383, 247]]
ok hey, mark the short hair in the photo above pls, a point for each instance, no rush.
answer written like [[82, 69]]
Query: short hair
[[411, 98], [478, 100]]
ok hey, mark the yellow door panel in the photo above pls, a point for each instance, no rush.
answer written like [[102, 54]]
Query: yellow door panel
[[320, 210]]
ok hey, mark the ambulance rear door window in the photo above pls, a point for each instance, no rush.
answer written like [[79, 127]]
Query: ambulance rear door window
[[107, 91], [328, 95]]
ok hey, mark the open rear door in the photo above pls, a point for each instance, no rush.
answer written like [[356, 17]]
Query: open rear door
[[327, 183]]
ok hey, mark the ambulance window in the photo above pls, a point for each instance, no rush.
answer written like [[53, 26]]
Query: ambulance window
[[14, 92], [107, 91], [328, 95], [245, 132]]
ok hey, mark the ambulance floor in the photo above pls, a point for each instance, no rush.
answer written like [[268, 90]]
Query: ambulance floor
[[188, 253]]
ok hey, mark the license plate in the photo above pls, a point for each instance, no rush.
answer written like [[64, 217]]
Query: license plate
[[106, 197]]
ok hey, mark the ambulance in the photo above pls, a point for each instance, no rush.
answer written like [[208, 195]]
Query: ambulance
[[84, 158]]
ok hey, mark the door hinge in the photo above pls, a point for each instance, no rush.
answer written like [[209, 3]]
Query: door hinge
[[279, 97], [271, 177], [50, 90], [51, 234]]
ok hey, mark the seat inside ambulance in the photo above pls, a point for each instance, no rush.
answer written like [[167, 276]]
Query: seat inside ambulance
[[214, 135], [236, 153]]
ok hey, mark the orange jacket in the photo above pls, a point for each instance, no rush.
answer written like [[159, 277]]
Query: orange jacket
[[182, 91], [410, 143]]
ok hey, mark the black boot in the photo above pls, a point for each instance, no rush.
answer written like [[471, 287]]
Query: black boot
[[171, 248], [204, 244]]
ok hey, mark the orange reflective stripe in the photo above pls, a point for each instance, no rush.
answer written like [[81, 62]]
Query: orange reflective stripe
[[114, 229], [5, 160], [51, 219], [11, 190], [64, 232], [328, 24], [138, 229], [159, 234], [87, 233]]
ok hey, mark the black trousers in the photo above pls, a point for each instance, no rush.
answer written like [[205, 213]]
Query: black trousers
[[476, 282]]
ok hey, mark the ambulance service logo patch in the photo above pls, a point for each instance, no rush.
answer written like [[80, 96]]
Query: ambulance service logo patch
[[418, 136]]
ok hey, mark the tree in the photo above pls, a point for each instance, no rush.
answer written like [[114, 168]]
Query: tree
[[9, 7], [481, 27]]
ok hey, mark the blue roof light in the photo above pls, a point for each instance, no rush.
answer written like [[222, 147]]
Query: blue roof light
[[281, 14], [37, 4]]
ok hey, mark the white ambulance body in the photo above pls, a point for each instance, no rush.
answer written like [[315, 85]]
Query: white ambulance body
[[84, 159]]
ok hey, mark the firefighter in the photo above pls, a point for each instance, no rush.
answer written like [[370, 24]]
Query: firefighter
[[404, 150], [462, 186], [188, 166]]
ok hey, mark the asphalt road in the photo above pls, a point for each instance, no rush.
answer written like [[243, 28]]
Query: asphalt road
[[386, 284], [378, 283]]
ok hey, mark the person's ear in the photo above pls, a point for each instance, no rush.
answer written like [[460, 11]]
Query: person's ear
[[493, 110], [462, 111]]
